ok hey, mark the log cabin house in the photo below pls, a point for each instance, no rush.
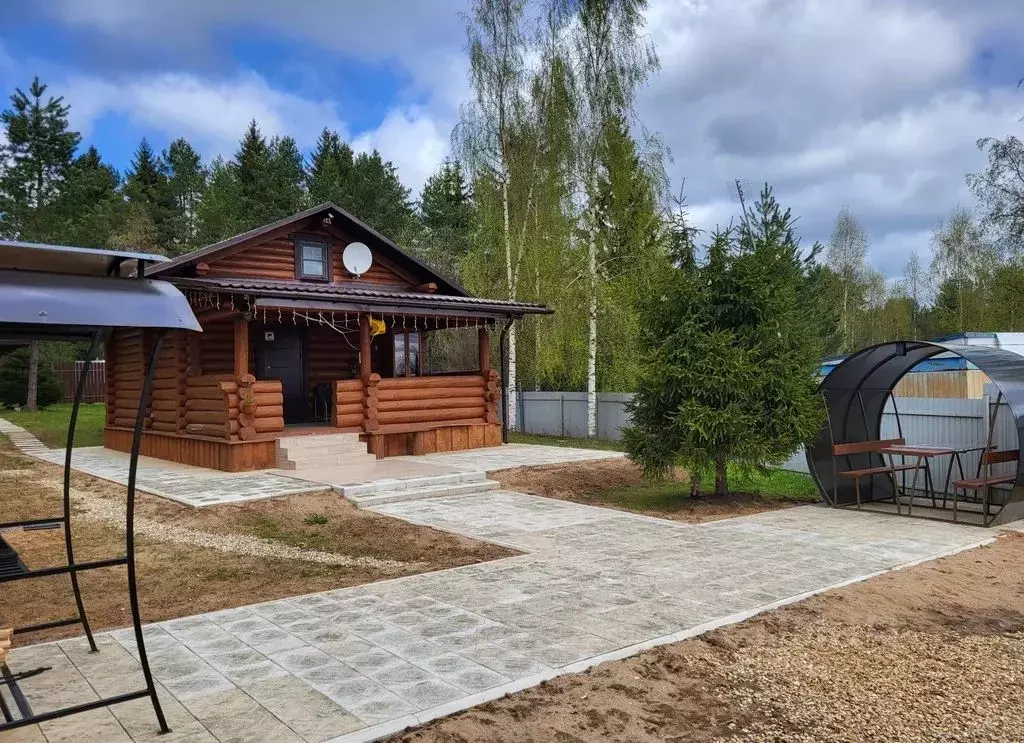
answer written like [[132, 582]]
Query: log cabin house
[[313, 324]]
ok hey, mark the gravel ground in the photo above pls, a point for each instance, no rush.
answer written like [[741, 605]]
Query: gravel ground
[[867, 685], [105, 511]]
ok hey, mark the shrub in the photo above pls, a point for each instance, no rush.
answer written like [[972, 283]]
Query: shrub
[[14, 381]]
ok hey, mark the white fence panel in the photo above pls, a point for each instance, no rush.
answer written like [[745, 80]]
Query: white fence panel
[[948, 422]]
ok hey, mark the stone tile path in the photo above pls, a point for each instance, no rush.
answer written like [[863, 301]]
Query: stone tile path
[[193, 486], [511, 455], [359, 663]]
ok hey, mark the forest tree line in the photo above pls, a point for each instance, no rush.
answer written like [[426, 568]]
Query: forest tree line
[[554, 192]]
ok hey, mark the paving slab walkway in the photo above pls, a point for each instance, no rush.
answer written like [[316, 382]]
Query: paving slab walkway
[[359, 663]]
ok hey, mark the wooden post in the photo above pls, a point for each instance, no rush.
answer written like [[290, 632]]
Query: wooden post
[[364, 347], [485, 351], [241, 346]]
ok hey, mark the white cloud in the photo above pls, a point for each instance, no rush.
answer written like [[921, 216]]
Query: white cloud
[[413, 140], [866, 103], [214, 113]]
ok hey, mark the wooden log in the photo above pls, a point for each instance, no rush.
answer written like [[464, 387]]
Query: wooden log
[[220, 403], [349, 408], [346, 398], [229, 387], [247, 434], [207, 429], [349, 421], [364, 349], [246, 380], [484, 341], [164, 415], [245, 420], [123, 421], [437, 403], [268, 398], [264, 425], [349, 385], [428, 393], [428, 382], [165, 427], [204, 393], [423, 416], [164, 405], [210, 416], [247, 405], [165, 395], [208, 380], [271, 411], [265, 386]]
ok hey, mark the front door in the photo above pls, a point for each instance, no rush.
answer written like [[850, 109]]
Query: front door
[[279, 356]]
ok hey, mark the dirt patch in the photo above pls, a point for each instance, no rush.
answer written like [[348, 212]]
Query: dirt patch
[[930, 653], [612, 483], [177, 580]]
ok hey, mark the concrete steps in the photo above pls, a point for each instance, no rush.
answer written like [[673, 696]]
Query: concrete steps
[[380, 492], [319, 451]]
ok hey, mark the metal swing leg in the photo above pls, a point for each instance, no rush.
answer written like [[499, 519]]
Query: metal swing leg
[[133, 591]]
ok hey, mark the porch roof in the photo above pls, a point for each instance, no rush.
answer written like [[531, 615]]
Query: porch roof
[[357, 298]]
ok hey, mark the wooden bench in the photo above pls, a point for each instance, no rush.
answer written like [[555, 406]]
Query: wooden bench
[[869, 447], [984, 484]]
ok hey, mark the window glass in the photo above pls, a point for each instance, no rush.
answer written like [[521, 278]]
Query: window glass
[[414, 354], [313, 260], [399, 355]]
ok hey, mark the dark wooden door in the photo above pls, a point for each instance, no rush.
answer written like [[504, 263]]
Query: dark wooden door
[[279, 355]]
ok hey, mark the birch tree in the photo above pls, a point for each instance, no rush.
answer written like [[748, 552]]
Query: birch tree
[[962, 261], [847, 255], [613, 59]]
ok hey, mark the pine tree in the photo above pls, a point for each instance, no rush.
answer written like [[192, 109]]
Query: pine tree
[[729, 355], [186, 184], [90, 205], [34, 163], [33, 167], [147, 190], [380, 199], [448, 216]]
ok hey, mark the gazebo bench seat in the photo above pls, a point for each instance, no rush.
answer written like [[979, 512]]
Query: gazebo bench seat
[[879, 470], [979, 483]]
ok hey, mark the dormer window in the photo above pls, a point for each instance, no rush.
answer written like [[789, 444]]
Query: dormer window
[[312, 259]]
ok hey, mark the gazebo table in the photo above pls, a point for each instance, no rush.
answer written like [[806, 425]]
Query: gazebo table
[[73, 294], [924, 452]]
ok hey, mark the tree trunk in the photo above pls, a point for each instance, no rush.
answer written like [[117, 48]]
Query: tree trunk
[[721, 477], [510, 383], [592, 340], [536, 333], [695, 491], [31, 393]]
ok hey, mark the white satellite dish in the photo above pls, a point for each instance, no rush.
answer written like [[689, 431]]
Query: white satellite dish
[[357, 258]]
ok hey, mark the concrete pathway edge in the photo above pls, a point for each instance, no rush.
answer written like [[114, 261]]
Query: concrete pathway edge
[[393, 727]]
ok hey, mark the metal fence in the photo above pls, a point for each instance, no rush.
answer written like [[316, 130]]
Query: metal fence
[[95, 383], [948, 422]]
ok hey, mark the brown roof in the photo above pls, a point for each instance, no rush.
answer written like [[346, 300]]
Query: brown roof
[[358, 297], [359, 228]]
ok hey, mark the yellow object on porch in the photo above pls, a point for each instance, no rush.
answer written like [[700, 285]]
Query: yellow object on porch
[[377, 327]]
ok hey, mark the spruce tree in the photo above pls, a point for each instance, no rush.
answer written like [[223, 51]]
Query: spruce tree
[[331, 173], [729, 354], [448, 216], [380, 199], [147, 191], [90, 206], [287, 173], [251, 166], [219, 212], [186, 183]]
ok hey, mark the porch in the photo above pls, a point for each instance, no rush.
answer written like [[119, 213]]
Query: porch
[[223, 399]]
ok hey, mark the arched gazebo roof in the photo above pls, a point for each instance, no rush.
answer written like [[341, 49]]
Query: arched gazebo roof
[[857, 390]]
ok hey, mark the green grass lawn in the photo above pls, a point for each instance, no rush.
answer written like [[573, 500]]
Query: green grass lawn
[[51, 424]]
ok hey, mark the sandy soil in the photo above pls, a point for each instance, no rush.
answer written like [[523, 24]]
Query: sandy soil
[[176, 580], [930, 653], [586, 482]]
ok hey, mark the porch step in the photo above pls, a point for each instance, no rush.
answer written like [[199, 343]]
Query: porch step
[[327, 450], [378, 493]]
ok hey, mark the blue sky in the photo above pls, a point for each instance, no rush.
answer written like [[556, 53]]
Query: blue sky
[[871, 104]]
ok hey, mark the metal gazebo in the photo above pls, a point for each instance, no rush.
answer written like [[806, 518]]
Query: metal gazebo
[[857, 392], [60, 293]]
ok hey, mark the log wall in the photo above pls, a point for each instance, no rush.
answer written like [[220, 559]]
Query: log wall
[[217, 347], [348, 404], [448, 400], [239, 456], [126, 352]]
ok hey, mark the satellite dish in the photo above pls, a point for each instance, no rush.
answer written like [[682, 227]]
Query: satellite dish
[[357, 258]]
